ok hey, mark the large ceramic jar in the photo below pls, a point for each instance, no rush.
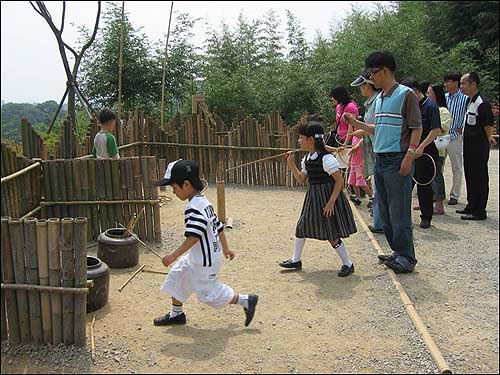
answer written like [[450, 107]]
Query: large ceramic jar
[[117, 248], [97, 271]]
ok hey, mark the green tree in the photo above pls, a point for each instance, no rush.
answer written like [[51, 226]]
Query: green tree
[[141, 76]]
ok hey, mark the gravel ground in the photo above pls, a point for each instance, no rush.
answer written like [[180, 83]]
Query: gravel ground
[[307, 321]]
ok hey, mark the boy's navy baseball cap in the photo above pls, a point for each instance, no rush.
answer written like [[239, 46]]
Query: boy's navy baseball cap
[[179, 171]]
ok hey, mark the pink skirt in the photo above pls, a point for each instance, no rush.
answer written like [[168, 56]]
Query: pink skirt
[[356, 176]]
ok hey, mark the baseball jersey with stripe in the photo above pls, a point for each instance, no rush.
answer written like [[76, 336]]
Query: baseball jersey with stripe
[[202, 222]]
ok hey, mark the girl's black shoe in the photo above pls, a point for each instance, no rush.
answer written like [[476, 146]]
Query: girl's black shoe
[[346, 271], [289, 264]]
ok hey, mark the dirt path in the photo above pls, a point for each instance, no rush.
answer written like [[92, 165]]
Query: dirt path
[[306, 321]]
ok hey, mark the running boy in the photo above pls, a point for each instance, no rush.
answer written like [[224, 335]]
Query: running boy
[[205, 245]]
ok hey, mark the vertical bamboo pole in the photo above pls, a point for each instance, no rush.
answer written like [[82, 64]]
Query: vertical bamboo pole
[[148, 212], [156, 207], [67, 280], [91, 165], [17, 245], [120, 65], [74, 176], [43, 268], [100, 188], [109, 193], [54, 189], [61, 174], [32, 277], [82, 166], [124, 190], [134, 208], [80, 244], [54, 234], [8, 277], [141, 225], [4, 313], [71, 185], [116, 192]]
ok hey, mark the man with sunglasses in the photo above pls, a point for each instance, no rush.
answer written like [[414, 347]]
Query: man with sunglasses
[[397, 129]]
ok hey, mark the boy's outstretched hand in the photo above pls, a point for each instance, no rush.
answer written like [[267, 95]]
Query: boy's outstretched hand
[[228, 254], [168, 260]]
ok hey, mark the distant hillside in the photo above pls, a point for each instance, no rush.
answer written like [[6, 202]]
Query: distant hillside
[[39, 115]]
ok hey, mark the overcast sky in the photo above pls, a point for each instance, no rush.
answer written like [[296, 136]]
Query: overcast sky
[[31, 66]]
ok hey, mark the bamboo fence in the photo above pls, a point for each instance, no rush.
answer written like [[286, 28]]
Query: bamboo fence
[[42, 259]]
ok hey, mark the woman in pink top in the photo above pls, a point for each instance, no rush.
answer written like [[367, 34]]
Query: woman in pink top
[[344, 104], [356, 179]]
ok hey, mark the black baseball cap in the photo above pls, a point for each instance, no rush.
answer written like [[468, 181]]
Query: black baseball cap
[[179, 171]]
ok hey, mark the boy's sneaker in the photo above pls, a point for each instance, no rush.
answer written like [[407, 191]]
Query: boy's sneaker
[[252, 302], [290, 264], [168, 321], [355, 200], [345, 270]]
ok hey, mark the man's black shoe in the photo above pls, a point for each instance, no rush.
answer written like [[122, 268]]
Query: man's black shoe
[[168, 321], [290, 264], [465, 211], [374, 230], [385, 258], [397, 267], [452, 202], [345, 270], [473, 217], [252, 302], [425, 224]]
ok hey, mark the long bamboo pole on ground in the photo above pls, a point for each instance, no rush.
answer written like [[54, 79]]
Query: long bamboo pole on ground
[[17, 245], [67, 280], [54, 234], [43, 269], [32, 277], [8, 276], [80, 244], [131, 277]]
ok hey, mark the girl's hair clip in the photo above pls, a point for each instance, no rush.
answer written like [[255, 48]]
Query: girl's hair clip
[[321, 136]]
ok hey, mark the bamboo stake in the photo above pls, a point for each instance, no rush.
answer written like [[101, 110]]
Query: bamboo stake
[[32, 277], [61, 173], [43, 268], [67, 280], [8, 276], [109, 192], [80, 243], [91, 165], [147, 194], [120, 67], [54, 233], [138, 179], [116, 192], [142, 243], [131, 277], [73, 185], [92, 342], [17, 245], [156, 207], [100, 189]]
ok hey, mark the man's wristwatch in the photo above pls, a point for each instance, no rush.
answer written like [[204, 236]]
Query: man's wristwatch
[[411, 151]]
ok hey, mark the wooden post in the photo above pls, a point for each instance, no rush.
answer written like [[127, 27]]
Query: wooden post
[[17, 245], [145, 169], [54, 234], [67, 280], [43, 269], [156, 207], [32, 277], [80, 243], [91, 165], [8, 276]]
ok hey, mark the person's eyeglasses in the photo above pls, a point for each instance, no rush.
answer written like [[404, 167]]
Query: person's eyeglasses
[[373, 72]]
